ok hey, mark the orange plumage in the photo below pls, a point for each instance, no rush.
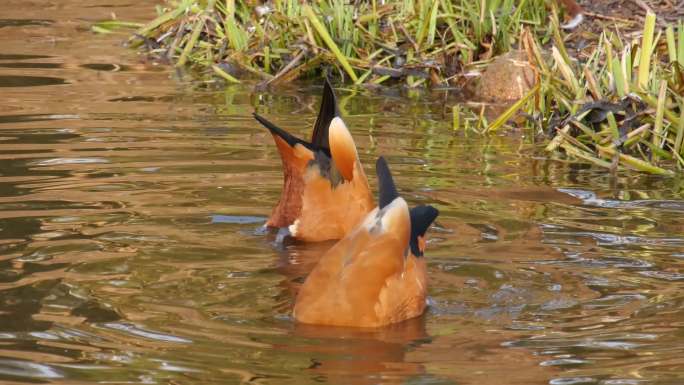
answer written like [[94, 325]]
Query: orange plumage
[[325, 190], [375, 275], [575, 14]]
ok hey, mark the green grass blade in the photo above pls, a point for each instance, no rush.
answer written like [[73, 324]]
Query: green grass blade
[[109, 26], [323, 33], [432, 26], [671, 46], [565, 69], [658, 137], [576, 152], [165, 18], [506, 115], [224, 74], [646, 49], [680, 45], [635, 163], [197, 29], [456, 113], [680, 129]]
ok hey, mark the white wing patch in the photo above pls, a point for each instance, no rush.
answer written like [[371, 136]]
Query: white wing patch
[[293, 228], [577, 20]]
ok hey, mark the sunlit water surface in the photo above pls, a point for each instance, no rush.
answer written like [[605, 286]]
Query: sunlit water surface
[[131, 200]]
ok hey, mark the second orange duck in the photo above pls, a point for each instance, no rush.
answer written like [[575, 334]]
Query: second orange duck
[[376, 275], [325, 191]]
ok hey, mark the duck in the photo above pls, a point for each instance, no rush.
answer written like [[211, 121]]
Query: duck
[[325, 189], [376, 275], [575, 14]]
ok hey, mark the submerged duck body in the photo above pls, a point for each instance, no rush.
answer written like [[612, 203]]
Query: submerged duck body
[[325, 190], [376, 275]]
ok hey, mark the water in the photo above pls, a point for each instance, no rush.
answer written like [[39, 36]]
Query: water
[[131, 199]]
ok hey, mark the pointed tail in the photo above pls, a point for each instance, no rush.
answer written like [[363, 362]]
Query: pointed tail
[[387, 189], [290, 139], [326, 114]]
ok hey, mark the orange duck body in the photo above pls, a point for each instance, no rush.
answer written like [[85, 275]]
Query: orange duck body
[[325, 190], [375, 275]]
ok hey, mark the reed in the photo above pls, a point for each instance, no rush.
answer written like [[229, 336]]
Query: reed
[[416, 42], [610, 110], [619, 106]]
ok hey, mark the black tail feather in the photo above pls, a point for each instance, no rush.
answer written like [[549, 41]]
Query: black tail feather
[[421, 218], [275, 130], [327, 112], [387, 190]]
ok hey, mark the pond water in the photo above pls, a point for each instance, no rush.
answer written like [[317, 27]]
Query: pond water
[[131, 200]]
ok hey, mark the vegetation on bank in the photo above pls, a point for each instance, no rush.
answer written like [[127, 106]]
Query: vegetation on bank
[[413, 41], [617, 105], [620, 107]]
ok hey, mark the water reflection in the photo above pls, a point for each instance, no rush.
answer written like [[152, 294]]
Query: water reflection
[[24, 22], [29, 81], [344, 355]]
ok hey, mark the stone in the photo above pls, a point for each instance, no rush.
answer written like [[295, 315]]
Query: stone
[[507, 78]]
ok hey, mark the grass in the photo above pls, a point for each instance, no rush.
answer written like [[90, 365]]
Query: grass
[[622, 107], [416, 42], [618, 105]]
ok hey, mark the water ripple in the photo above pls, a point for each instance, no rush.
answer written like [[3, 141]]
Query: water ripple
[[140, 332], [18, 368], [59, 161]]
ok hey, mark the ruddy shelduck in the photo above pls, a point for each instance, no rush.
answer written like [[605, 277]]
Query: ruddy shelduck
[[376, 274], [575, 14], [325, 190]]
